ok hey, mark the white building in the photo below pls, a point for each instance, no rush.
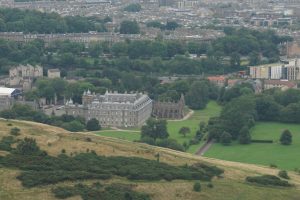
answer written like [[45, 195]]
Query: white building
[[8, 97], [276, 72]]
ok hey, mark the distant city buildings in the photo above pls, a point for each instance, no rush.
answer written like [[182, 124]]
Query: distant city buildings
[[22, 76], [288, 71], [282, 84], [218, 80]]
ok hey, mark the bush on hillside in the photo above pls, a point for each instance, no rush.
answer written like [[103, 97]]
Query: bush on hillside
[[197, 187], [283, 174], [268, 180]]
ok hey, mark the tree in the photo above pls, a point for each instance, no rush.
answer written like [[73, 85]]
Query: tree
[[244, 135], [267, 109], [254, 58], [155, 129], [129, 27], [237, 113], [226, 138], [171, 25], [154, 24], [184, 130], [286, 137], [202, 125], [134, 7], [197, 187], [93, 125], [198, 95], [235, 59], [291, 113], [73, 126]]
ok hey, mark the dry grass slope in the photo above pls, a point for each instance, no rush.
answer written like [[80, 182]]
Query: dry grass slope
[[53, 140]]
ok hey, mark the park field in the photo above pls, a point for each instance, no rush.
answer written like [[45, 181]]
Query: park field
[[285, 157], [212, 109], [132, 134], [124, 135]]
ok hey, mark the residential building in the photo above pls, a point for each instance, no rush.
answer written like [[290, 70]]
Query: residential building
[[22, 76], [289, 70], [282, 84], [218, 80]]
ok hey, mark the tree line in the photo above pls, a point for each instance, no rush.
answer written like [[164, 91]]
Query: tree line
[[242, 108], [30, 21]]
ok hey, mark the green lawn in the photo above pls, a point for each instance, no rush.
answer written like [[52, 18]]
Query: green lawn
[[212, 109], [125, 135], [285, 157]]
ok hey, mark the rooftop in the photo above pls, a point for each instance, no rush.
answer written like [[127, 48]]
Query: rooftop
[[4, 91]]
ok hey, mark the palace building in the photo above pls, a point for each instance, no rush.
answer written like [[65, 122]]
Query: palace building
[[113, 109]]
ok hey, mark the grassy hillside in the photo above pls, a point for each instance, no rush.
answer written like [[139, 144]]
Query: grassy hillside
[[53, 140], [285, 157]]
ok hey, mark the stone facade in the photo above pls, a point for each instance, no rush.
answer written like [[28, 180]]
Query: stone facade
[[53, 73], [22, 76], [169, 110], [113, 109]]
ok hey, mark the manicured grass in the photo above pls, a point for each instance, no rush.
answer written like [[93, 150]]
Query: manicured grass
[[125, 135], [212, 109], [285, 157]]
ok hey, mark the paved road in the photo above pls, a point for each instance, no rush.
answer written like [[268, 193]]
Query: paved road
[[204, 148]]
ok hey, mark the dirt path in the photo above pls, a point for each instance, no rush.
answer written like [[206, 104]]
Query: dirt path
[[204, 148]]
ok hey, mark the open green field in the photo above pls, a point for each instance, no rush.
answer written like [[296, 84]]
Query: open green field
[[285, 157], [125, 135], [212, 109]]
